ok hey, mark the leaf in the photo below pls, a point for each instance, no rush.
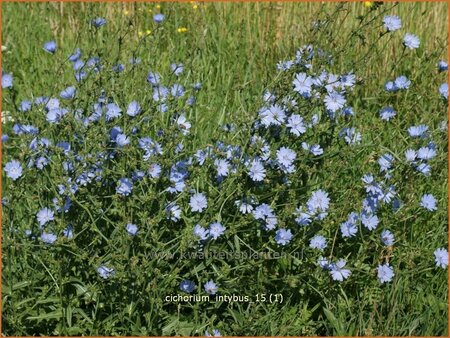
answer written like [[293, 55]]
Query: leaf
[[57, 314], [21, 285]]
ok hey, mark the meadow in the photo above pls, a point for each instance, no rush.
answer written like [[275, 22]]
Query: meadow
[[290, 156]]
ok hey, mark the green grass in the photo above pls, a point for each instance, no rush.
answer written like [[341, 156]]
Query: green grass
[[232, 49]]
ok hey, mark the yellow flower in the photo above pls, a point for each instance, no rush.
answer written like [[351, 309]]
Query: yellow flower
[[126, 12], [140, 33], [150, 10], [195, 6], [182, 30], [368, 3], [148, 31], [158, 6]]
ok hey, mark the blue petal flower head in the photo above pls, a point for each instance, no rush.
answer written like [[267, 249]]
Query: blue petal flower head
[[334, 101], [158, 18], [68, 93], [443, 90], [402, 82], [191, 100], [268, 97], [48, 238], [441, 257], [52, 103], [215, 333], [131, 228], [187, 286], [41, 162], [40, 100], [50, 47], [78, 65], [285, 65], [390, 86], [302, 218], [222, 167], [265, 213], [347, 80], [396, 204], [44, 216], [369, 221], [273, 115], [124, 187], [183, 124], [418, 131], [122, 140], [411, 41], [318, 202], [245, 206], [173, 211], [177, 69], [387, 238], [114, 132], [25, 106], [75, 56], [216, 230], [285, 159], [428, 202], [442, 66], [133, 109], [426, 153], [154, 170], [387, 113], [198, 202], [303, 84], [316, 149], [211, 287], [153, 78], [348, 229], [54, 115], [135, 61], [296, 125], [160, 93], [5, 138], [7, 80], [119, 68], [98, 22], [350, 135], [105, 272], [65, 146], [392, 23], [283, 236], [80, 76], [337, 271], [200, 233], [138, 175], [385, 273], [151, 147], [177, 90], [424, 168], [13, 169], [197, 86], [324, 263], [112, 111], [385, 162], [68, 232], [25, 129], [318, 242]]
